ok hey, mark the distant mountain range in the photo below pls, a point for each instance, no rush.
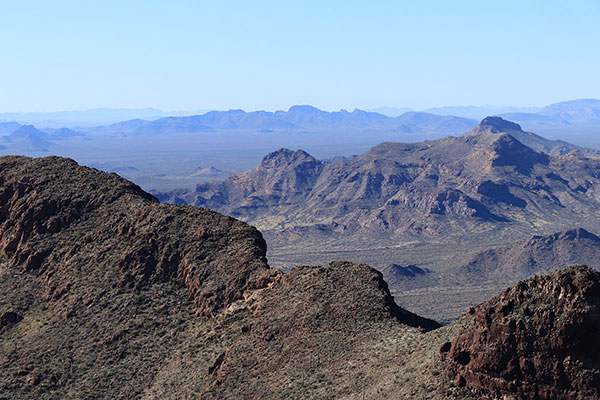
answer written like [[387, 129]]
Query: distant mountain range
[[480, 112], [575, 113], [445, 119], [29, 138], [88, 118], [562, 114], [297, 118], [571, 118]]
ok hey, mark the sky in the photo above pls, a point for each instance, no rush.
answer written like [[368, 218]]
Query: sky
[[183, 55]]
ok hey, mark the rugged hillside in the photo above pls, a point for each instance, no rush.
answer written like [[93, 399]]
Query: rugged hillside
[[485, 180], [446, 294], [537, 340], [106, 293], [531, 140]]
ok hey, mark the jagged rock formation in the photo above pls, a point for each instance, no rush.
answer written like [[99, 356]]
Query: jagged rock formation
[[486, 180], [537, 340]]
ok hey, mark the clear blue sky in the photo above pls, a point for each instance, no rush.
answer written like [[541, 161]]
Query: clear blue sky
[[173, 55]]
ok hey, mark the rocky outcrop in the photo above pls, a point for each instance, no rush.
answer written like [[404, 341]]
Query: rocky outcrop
[[537, 340]]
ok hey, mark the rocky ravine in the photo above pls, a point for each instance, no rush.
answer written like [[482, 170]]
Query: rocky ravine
[[105, 293]]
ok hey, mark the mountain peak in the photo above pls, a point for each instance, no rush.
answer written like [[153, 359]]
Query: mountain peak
[[25, 130], [304, 109], [497, 125], [285, 154]]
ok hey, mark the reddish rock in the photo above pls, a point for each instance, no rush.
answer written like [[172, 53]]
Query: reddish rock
[[537, 340]]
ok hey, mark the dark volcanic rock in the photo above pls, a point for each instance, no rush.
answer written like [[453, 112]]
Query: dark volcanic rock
[[537, 340], [9, 318]]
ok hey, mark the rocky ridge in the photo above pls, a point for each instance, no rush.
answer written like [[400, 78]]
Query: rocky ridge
[[535, 255]]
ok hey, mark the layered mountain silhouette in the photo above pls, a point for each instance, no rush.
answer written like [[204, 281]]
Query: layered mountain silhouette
[[567, 116], [301, 117], [8, 127], [493, 177], [29, 138], [105, 292], [580, 112]]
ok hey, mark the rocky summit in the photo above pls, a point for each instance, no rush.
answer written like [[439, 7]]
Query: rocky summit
[[106, 293]]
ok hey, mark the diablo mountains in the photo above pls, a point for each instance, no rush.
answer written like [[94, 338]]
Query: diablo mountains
[[494, 178], [105, 293]]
